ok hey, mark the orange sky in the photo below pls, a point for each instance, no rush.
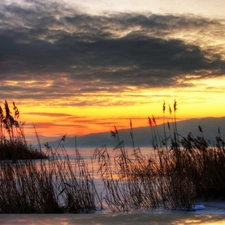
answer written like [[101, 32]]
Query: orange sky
[[76, 69], [57, 121]]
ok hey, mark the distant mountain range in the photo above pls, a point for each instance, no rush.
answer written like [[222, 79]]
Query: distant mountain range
[[142, 135]]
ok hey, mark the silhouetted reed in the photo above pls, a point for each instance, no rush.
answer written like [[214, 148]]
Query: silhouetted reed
[[13, 145], [180, 171], [54, 185]]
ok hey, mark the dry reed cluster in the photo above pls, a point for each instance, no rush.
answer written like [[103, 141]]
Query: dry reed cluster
[[179, 171], [13, 144], [53, 185]]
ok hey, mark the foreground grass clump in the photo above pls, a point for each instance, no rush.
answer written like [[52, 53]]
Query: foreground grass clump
[[13, 144], [177, 173], [51, 184], [180, 171], [54, 185], [205, 166]]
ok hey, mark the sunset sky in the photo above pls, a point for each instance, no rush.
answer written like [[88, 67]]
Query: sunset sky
[[81, 66]]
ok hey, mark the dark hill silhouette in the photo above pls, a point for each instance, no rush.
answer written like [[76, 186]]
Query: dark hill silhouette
[[142, 135]]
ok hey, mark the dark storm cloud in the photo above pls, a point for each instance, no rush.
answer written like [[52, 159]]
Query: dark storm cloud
[[46, 41]]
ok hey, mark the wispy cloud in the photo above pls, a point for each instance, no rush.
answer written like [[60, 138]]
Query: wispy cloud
[[49, 114]]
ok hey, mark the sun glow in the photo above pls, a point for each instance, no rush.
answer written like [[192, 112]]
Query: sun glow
[[63, 116]]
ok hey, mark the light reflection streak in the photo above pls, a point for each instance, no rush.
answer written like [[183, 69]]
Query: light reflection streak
[[131, 219]]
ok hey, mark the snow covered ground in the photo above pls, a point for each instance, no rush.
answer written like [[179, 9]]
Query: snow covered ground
[[201, 208], [114, 219]]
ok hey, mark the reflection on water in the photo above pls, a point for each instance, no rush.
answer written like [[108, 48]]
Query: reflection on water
[[200, 220], [111, 219], [87, 154]]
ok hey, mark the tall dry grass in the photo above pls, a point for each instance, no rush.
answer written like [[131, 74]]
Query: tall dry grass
[[13, 145], [181, 171], [34, 181], [54, 185]]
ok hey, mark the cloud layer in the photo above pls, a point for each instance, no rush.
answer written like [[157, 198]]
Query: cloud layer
[[51, 52]]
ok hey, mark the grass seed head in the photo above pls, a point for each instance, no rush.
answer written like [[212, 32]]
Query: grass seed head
[[175, 105], [164, 107]]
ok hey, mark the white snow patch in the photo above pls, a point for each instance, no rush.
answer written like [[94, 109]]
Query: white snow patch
[[197, 207]]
